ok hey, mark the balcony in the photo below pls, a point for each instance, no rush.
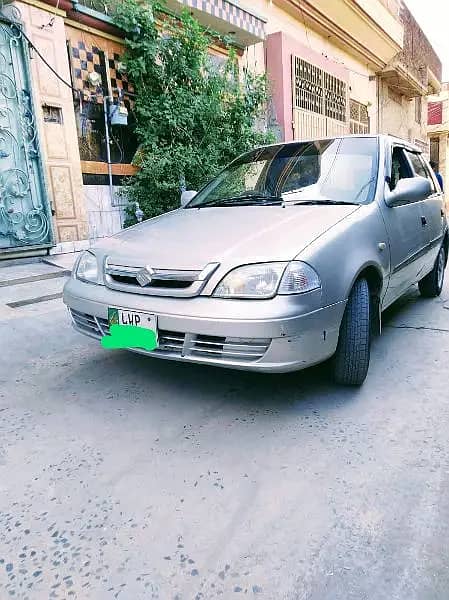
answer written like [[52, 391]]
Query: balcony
[[416, 69], [402, 80], [225, 17]]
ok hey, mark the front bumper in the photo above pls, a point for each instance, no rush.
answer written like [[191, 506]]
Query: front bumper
[[259, 335]]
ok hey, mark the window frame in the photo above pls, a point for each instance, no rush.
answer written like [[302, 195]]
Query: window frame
[[408, 164], [425, 167], [358, 125], [319, 91]]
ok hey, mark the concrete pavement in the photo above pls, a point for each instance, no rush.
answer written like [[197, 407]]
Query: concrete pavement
[[134, 478]]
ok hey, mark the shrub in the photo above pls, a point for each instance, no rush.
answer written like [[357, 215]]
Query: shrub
[[192, 116]]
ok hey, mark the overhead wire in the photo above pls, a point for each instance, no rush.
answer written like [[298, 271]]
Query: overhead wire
[[52, 20], [44, 60], [66, 83]]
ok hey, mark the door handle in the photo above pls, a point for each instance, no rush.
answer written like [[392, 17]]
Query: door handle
[[423, 221]]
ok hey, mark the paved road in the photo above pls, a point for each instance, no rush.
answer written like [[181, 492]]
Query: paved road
[[131, 478]]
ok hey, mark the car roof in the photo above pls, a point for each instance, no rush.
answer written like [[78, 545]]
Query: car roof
[[386, 138]]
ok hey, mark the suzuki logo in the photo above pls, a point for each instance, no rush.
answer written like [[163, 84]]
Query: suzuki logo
[[144, 276]]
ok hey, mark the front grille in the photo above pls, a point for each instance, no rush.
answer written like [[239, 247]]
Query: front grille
[[172, 284], [226, 348], [169, 341], [154, 281], [178, 344], [88, 323]]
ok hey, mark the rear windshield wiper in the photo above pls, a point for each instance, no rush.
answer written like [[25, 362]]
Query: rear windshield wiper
[[314, 202], [244, 200]]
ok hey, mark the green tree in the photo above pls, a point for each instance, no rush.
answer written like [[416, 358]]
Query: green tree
[[192, 117]]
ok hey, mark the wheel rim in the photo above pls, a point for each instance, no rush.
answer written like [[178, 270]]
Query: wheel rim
[[441, 261]]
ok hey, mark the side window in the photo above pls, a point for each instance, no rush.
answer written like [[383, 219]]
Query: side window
[[420, 168], [400, 167]]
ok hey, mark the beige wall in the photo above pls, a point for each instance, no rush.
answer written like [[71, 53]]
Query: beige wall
[[361, 88], [397, 115], [444, 162], [441, 131], [59, 141]]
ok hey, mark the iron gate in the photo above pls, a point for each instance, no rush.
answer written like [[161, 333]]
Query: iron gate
[[319, 102], [25, 217]]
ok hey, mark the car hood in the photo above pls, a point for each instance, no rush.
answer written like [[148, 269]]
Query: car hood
[[192, 238]]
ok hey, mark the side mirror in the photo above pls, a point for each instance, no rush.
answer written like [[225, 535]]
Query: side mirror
[[411, 189], [187, 196]]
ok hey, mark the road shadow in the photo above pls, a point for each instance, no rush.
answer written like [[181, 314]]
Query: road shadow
[[187, 383], [405, 306], [409, 299], [128, 372], [309, 387]]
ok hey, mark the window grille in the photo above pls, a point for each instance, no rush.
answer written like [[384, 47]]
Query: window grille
[[335, 94], [317, 91], [358, 117]]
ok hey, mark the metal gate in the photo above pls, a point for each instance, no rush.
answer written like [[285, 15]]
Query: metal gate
[[25, 217], [319, 102]]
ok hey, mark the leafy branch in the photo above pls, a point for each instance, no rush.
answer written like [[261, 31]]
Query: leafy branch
[[192, 116]]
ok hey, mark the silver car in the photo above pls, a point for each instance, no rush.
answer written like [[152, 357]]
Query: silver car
[[284, 260]]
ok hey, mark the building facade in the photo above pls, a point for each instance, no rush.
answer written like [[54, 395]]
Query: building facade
[[438, 131], [406, 82], [340, 67], [322, 59]]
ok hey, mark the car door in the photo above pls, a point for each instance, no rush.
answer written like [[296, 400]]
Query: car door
[[407, 238], [432, 209]]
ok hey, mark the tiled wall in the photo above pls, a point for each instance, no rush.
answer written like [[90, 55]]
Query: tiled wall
[[230, 12], [89, 52]]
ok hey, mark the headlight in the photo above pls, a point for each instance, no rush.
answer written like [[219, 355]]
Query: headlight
[[87, 269], [264, 280], [251, 281], [299, 277]]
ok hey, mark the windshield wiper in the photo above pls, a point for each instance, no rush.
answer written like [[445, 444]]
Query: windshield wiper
[[314, 202], [244, 200]]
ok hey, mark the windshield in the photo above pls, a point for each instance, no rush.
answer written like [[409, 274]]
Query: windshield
[[341, 170]]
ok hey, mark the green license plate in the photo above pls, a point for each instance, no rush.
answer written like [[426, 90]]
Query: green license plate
[[131, 329]]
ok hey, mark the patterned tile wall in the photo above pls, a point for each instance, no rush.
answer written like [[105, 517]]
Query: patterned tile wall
[[231, 13], [86, 58]]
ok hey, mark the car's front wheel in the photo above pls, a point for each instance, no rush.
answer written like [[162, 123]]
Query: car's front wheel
[[351, 360], [432, 284]]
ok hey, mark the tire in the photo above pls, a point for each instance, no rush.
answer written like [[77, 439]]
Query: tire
[[351, 360], [432, 284]]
